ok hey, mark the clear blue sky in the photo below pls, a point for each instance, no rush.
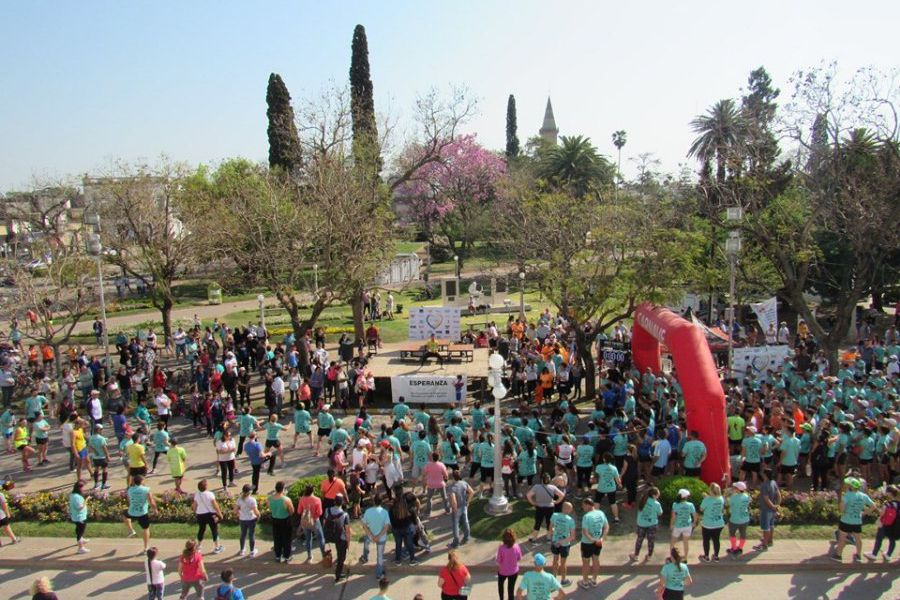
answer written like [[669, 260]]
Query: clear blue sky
[[86, 82]]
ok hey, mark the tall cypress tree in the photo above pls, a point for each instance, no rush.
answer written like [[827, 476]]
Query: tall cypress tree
[[512, 140], [284, 143], [366, 149]]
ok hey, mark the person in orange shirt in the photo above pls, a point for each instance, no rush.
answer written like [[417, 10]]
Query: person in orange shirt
[[47, 355], [799, 418], [546, 379], [518, 329], [32, 356], [330, 487]]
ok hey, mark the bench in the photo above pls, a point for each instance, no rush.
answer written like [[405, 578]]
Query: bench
[[416, 350], [465, 352]]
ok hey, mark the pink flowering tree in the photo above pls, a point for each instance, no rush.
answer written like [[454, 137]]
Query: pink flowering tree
[[451, 196]]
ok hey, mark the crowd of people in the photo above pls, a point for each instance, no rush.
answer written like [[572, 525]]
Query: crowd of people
[[578, 468]]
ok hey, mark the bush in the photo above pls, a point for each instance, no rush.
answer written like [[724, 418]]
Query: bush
[[296, 489], [669, 486]]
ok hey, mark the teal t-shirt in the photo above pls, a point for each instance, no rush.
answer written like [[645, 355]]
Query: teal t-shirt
[[160, 440], [527, 464], [400, 411], [421, 450], [684, 513], [593, 522], [138, 500], [606, 478], [649, 515], [78, 511], [752, 449], [675, 576], [375, 518], [693, 453], [487, 455], [450, 453], [478, 416], [790, 451], [739, 509], [539, 586], [246, 424], [325, 420], [272, 430], [620, 445], [97, 443], [141, 413], [302, 419], [562, 525], [338, 436], [584, 456], [713, 509], [41, 429], [854, 505]]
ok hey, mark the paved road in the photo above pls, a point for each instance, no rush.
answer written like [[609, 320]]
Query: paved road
[[812, 586]]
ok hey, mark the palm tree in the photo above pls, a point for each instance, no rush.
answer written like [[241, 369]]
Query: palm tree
[[576, 164], [720, 135], [618, 139]]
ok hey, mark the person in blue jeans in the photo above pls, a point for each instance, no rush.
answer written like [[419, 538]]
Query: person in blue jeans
[[403, 524], [376, 522], [460, 494]]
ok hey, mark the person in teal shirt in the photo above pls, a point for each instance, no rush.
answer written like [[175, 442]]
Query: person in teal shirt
[[584, 463], [649, 511], [608, 481], [854, 503], [790, 456], [401, 409], [539, 584], [246, 423], [160, 443], [420, 452], [325, 422], [752, 447], [713, 508], [562, 536], [673, 577], [594, 528], [139, 502], [302, 420], [478, 417], [738, 518], [383, 586], [142, 414], [683, 519], [527, 461], [78, 514], [694, 453], [620, 448]]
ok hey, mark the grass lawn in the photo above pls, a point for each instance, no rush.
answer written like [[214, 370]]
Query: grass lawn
[[117, 530]]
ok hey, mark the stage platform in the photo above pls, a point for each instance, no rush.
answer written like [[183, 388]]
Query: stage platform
[[387, 363]]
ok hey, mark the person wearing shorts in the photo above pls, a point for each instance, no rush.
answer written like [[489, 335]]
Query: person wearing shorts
[[594, 528], [562, 536], [325, 422], [140, 500], [683, 520], [769, 499], [738, 518]]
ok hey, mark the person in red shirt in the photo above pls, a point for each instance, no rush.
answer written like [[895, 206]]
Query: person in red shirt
[[453, 577], [330, 488]]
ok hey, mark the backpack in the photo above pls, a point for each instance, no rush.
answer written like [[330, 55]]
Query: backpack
[[224, 592], [889, 516], [306, 519], [333, 527]]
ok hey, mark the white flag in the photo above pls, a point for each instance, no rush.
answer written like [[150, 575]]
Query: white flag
[[766, 313]]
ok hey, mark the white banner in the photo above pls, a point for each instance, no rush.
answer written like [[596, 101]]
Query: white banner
[[758, 359], [425, 389], [766, 312], [442, 321]]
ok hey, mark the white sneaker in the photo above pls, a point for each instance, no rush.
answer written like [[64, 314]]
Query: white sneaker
[[83, 551], [253, 553], [218, 549], [241, 553]]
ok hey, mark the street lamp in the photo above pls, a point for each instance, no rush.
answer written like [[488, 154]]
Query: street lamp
[[95, 249], [732, 249], [498, 504], [316, 279], [522, 295], [262, 310], [456, 260]]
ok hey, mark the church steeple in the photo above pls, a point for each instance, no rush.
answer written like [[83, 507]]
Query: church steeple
[[549, 130]]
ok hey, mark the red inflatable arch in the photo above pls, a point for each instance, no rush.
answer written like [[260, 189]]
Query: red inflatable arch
[[704, 400]]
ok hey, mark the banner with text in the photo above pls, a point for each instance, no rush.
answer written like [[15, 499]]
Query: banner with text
[[425, 389], [442, 321], [766, 312], [758, 359]]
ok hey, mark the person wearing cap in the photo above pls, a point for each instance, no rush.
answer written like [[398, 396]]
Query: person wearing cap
[[854, 503], [538, 584], [738, 518], [752, 448], [683, 519], [99, 454], [594, 527]]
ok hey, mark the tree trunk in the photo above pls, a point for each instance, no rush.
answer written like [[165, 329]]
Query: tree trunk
[[583, 347], [300, 326], [165, 309], [356, 304]]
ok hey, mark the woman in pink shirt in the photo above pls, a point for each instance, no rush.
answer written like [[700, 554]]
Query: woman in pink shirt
[[508, 556]]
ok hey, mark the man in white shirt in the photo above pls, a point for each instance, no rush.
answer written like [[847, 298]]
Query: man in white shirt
[[783, 333], [162, 406], [180, 338], [278, 392]]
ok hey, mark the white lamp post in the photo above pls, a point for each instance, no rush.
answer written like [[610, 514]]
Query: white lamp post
[[498, 504], [262, 310], [732, 249], [95, 249], [522, 295], [316, 279]]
